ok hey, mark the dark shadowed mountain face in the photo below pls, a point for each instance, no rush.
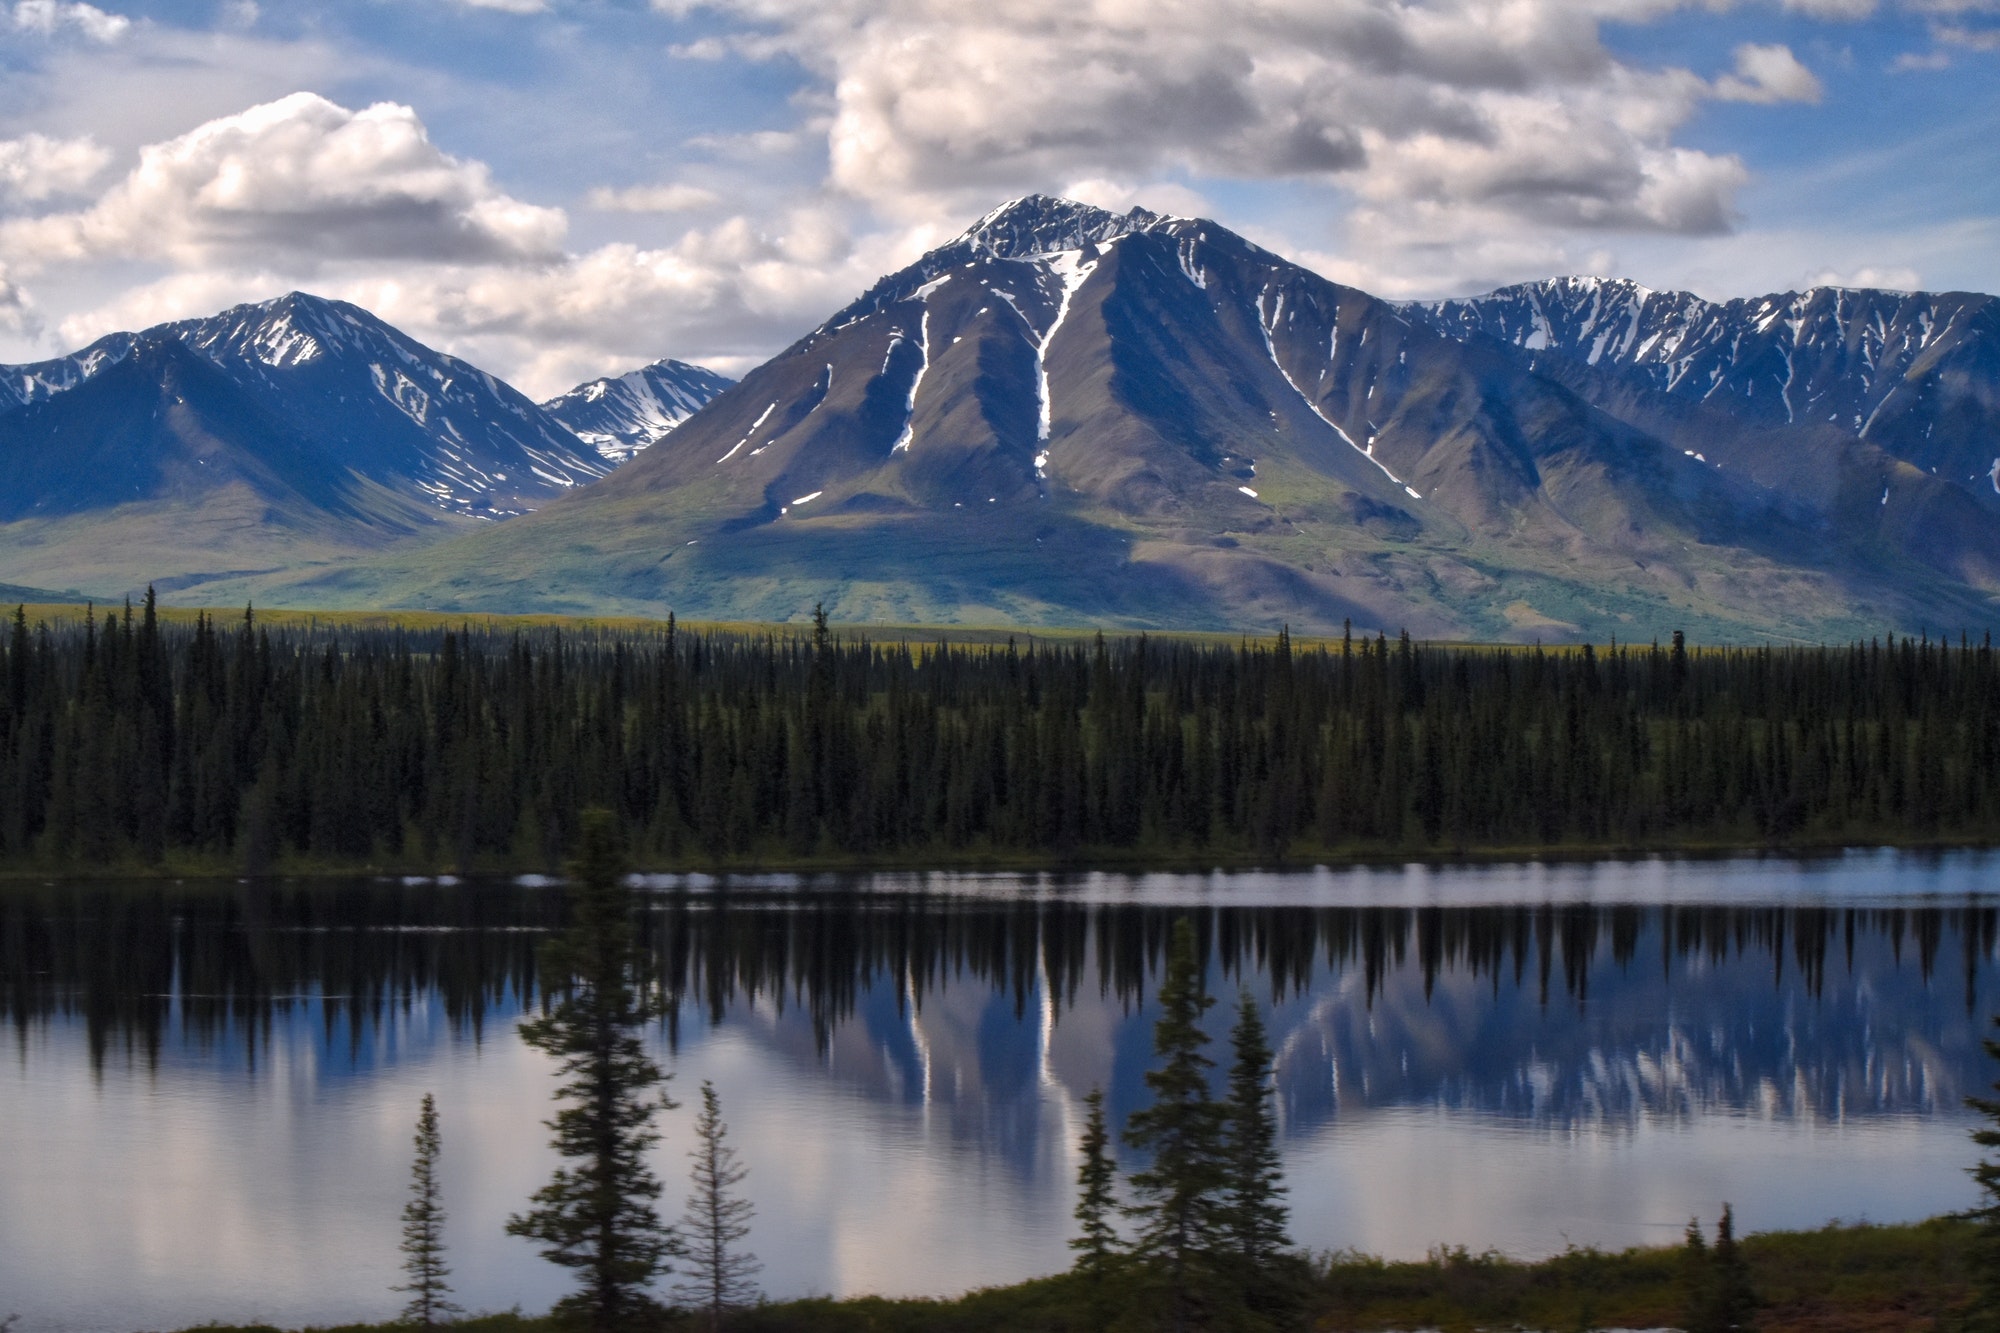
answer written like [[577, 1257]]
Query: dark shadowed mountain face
[[621, 415], [214, 445], [370, 399], [1068, 415]]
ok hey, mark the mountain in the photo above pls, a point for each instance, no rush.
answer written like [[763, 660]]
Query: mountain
[[622, 415], [1916, 374], [1070, 416], [296, 431], [13, 594]]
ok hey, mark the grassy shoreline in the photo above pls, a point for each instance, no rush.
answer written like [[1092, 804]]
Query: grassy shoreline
[[1841, 1278]]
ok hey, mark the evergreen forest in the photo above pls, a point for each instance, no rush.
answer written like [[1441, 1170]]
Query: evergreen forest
[[128, 741]]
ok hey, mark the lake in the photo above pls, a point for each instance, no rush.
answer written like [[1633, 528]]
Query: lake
[[209, 1089]]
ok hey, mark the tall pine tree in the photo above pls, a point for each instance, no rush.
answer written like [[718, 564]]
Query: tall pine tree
[[1180, 1208], [1255, 1210], [423, 1229], [597, 1215], [1096, 1240]]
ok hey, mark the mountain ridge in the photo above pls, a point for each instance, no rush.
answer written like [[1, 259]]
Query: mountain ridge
[[1069, 415], [621, 415]]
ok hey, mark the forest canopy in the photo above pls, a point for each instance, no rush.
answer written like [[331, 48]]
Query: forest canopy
[[130, 741]]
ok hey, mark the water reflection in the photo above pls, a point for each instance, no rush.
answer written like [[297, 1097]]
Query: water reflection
[[215, 1083]]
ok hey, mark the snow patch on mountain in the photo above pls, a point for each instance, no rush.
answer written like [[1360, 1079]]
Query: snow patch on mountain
[[620, 416], [375, 400], [1827, 354]]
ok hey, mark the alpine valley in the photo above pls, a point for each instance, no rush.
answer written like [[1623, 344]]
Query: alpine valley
[[1068, 417]]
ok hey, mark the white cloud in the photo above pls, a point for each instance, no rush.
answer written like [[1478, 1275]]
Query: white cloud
[[723, 295], [303, 180], [1972, 39], [509, 6], [1833, 10], [17, 309], [1890, 279], [35, 167], [48, 17], [1911, 61], [1513, 107], [1452, 141], [1768, 74], [653, 199]]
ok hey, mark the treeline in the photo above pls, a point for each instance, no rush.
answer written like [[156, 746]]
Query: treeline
[[128, 741]]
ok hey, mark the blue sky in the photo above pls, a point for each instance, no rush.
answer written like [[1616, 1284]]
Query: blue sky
[[563, 188]]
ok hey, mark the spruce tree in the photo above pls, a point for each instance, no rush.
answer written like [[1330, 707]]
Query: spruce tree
[[423, 1229], [598, 1216], [1181, 1207], [1096, 1241], [720, 1278], [1735, 1301], [1721, 1298], [1255, 1210], [1697, 1278], [1984, 1258]]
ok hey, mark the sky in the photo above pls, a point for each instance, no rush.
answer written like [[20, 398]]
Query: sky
[[559, 189]]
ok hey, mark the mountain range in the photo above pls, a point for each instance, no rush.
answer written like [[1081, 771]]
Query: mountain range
[[275, 437], [1072, 416]]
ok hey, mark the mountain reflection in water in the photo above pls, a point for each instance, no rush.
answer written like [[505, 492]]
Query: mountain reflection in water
[[1436, 1067]]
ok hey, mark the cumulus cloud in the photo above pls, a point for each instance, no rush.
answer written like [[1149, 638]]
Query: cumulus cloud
[[653, 199], [49, 17], [300, 179], [35, 167], [1514, 107], [724, 295], [1768, 74], [17, 309]]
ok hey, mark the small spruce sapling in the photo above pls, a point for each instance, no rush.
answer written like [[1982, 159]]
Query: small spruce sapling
[[423, 1229], [720, 1278], [1720, 1297]]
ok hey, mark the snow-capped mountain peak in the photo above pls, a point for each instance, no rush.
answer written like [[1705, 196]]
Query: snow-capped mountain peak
[[1050, 233], [1041, 224], [620, 415], [373, 400]]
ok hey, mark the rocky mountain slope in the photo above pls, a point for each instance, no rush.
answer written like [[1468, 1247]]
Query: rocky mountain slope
[[1073, 416], [619, 416], [1916, 374], [300, 430]]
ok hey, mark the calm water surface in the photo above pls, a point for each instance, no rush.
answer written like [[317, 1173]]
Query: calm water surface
[[209, 1090]]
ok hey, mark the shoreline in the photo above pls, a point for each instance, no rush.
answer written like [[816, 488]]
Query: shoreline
[[178, 869], [1839, 1278]]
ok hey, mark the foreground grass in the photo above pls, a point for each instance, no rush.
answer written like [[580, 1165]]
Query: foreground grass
[[1839, 1279]]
